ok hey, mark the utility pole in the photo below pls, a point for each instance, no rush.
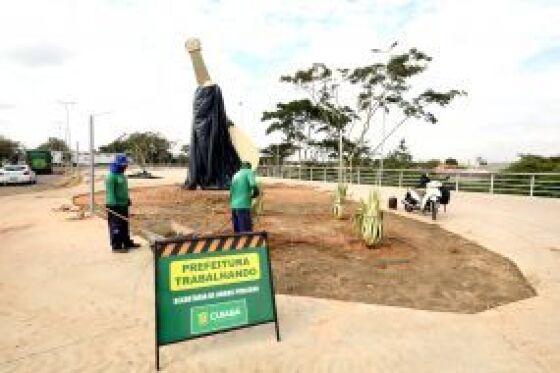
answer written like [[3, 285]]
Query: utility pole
[[340, 162], [91, 167], [77, 155], [92, 161], [382, 146]]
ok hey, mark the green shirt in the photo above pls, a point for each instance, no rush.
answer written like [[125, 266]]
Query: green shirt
[[116, 189], [241, 189]]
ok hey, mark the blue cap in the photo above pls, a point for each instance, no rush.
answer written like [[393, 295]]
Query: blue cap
[[121, 160]]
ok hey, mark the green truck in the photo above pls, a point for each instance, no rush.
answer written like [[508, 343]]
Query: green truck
[[40, 161]]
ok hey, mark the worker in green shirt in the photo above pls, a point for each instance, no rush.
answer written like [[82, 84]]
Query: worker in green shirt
[[117, 203], [243, 189]]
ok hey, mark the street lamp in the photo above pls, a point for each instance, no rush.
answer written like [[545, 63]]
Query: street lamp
[[92, 160]]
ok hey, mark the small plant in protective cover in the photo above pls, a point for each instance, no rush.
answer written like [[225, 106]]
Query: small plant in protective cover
[[338, 201], [257, 204], [368, 220]]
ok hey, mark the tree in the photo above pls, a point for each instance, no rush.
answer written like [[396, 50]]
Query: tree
[[385, 87], [278, 152], [535, 163], [429, 164], [9, 150], [54, 144], [378, 88], [331, 145], [117, 146], [294, 121], [481, 161], [332, 119], [451, 162], [398, 158], [145, 147], [185, 149], [183, 157]]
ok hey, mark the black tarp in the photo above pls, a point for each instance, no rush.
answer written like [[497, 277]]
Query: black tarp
[[212, 158]]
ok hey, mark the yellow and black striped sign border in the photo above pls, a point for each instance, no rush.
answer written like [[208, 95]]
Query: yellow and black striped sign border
[[210, 244]]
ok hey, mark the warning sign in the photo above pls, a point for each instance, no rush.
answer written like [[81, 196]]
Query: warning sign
[[211, 284]]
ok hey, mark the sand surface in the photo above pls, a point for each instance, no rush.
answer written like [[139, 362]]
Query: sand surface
[[68, 304]]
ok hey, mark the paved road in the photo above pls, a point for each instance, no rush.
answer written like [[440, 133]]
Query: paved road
[[68, 304], [44, 182]]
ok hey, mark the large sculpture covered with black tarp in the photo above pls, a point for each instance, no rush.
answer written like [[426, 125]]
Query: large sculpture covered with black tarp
[[217, 146], [213, 159]]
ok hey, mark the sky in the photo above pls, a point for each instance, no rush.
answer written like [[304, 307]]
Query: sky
[[125, 61]]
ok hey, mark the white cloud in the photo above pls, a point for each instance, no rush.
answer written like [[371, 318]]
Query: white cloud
[[37, 55], [128, 58]]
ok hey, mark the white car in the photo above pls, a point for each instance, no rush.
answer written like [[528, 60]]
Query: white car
[[17, 174]]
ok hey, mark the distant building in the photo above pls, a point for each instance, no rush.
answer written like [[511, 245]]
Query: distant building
[[82, 158], [497, 166]]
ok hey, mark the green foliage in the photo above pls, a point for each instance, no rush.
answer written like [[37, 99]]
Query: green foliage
[[278, 152], [330, 118], [183, 156], [54, 144], [292, 119], [295, 121], [387, 86], [145, 147], [318, 71], [331, 144], [181, 159], [398, 158], [535, 163], [451, 162], [9, 149], [339, 199], [117, 146], [368, 220], [382, 86], [429, 164]]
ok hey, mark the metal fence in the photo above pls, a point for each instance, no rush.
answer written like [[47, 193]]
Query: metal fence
[[529, 184]]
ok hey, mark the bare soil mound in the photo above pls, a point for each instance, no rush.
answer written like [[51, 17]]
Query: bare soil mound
[[417, 265]]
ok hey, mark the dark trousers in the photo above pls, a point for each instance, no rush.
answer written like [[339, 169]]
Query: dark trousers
[[119, 231], [241, 219]]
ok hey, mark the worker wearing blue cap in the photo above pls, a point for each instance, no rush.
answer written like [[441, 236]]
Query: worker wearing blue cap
[[117, 203]]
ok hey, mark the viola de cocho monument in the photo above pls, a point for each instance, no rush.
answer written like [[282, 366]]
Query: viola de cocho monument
[[217, 146]]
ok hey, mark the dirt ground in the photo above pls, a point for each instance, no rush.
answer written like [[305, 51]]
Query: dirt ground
[[417, 265]]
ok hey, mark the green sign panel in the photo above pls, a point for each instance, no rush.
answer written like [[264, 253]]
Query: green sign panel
[[211, 284]]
